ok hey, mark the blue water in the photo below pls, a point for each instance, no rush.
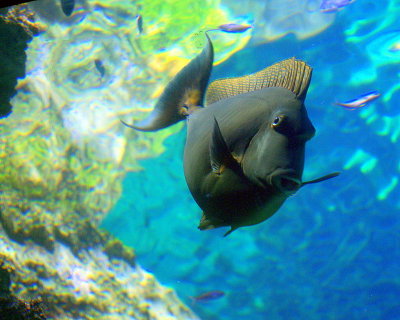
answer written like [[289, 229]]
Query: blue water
[[333, 250]]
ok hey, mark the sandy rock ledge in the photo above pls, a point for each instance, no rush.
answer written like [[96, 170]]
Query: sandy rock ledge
[[100, 281]]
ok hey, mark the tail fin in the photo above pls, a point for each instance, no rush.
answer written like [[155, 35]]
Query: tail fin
[[185, 91]]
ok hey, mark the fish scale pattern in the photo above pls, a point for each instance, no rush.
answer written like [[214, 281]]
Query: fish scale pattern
[[292, 74]]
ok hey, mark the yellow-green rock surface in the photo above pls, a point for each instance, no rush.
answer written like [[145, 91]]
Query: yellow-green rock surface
[[64, 152], [100, 281]]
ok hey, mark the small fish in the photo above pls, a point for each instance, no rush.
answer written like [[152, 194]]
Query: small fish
[[233, 27], [246, 137], [67, 6], [139, 23], [361, 101], [208, 296], [100, 67], [330, 6]]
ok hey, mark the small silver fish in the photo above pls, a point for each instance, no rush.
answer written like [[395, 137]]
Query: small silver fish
[[208, 296], [330, 6], [234, 27], [361, 101]]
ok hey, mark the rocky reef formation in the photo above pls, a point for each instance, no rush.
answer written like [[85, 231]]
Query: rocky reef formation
[[64, 153], [12, 308], [16, 30], [94, 278]]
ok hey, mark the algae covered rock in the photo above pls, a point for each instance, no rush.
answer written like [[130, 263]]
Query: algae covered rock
[[12, 308], [64, 153], [100, 281]]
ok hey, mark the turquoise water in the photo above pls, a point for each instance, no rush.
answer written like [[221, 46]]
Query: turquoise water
[[333, 250]]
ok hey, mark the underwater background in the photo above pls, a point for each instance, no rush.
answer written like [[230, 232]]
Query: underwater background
[[331, 252]]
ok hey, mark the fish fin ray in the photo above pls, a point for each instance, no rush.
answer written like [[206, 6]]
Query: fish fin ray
[[292, 74], [183, 93], [230, 231], [220, 156]]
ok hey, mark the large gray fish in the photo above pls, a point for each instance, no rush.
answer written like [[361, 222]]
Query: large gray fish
[[244, 152]]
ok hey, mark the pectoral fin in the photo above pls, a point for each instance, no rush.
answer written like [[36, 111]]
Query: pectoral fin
[[220, 156]]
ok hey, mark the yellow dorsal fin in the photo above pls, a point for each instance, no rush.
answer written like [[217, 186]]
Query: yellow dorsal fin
[[292, 74]]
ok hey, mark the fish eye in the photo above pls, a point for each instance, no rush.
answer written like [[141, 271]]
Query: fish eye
[[277, 121]]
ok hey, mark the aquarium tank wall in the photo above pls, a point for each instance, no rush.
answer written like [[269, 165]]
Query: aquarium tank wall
[[127, 126]]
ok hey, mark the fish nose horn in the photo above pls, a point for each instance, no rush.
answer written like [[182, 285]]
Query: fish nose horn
[[323, 178]]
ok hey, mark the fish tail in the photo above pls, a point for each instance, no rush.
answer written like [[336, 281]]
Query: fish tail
[[183, 93]]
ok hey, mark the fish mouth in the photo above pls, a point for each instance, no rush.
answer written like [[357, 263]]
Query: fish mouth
[[286, 181]]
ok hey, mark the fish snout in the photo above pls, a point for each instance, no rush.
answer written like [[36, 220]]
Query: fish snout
[[286, 181]]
